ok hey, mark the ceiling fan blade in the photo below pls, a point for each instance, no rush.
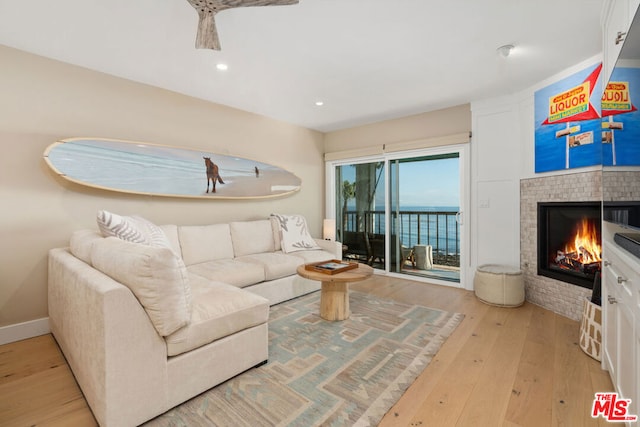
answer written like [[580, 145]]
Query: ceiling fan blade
[[247, 3], [207, 37]]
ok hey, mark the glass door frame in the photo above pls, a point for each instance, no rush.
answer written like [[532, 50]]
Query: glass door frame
[[464, 220], [330, 195]]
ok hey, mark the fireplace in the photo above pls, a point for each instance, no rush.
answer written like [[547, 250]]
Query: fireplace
[[569, 241]]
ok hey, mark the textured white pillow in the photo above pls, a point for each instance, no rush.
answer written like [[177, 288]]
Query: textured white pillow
[[295, 233], [133, 229], [156, 276], [153, 234]]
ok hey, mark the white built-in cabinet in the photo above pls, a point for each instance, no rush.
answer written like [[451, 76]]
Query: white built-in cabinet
[[621, 317], [621, 269], [618, 15]]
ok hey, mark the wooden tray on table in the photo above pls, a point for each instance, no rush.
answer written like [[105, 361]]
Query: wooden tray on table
[[333, 266]]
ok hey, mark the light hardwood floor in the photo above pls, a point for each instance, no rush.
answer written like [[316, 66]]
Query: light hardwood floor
[[501, 367]]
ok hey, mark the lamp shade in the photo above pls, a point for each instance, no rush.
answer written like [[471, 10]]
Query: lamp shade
[[329, 229]]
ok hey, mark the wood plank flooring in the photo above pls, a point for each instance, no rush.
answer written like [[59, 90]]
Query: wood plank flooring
[[501, 367]]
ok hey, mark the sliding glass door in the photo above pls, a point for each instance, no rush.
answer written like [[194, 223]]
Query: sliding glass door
[[402, 212], [360, 191], [424, 199]]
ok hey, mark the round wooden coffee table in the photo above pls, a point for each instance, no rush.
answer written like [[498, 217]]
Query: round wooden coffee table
[[334, 296]]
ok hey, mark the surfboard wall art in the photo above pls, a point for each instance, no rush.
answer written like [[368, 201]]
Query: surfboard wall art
[[150, 169]]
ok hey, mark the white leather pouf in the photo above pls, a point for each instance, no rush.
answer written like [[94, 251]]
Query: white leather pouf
[[499, 285]]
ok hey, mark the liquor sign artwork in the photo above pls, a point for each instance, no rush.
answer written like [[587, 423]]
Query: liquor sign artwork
[[616, 99], [566, 112]]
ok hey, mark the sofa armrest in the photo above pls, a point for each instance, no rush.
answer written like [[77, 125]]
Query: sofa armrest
[[331, 246], [115, 353]]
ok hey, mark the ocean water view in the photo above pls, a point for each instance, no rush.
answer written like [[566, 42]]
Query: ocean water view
[[420, 225]]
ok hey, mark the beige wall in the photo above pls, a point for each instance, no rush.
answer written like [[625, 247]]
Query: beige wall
[[43, 100], [425, 126]]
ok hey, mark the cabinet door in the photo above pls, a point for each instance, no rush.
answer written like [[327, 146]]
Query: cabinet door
[[621, 287], [637, 395], [616, 25], [626, 353], [633, 8], [610, 322]]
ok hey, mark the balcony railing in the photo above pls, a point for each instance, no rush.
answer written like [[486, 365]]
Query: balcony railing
[[440, 229]]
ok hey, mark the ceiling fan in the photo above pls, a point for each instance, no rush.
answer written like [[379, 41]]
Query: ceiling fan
[[207, 37]]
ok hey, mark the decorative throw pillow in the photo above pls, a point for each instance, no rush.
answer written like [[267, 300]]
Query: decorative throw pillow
[[156, 276], [153, 234], [122, 227], [133, 229], [295, 233]]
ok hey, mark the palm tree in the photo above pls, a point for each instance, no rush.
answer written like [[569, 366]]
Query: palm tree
[[348, 193]]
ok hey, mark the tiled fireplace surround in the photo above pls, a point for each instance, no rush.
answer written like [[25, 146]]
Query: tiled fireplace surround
[[560, 297]]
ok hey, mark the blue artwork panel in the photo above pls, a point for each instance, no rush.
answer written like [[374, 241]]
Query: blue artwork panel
[[567, 122], [621, 119]]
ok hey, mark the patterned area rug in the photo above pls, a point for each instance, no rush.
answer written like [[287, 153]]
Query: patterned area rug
[[325, 373]]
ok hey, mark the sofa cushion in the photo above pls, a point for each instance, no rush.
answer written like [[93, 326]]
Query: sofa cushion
[[233, 272], [156, 276], [252, 237], [275, 227], [294, 233], [171, 232], [218, 310], [313, 256], [81, 243], [131, 228], [202, 243], [275, 264]]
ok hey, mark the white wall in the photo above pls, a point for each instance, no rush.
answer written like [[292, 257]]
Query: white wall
[[42, 100], [503, 153], [495, 150], [420, 127]]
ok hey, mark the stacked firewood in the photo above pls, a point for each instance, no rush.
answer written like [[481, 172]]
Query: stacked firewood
[[578, 261]]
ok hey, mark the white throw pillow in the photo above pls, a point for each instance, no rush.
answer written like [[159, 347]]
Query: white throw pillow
[[154, 234], [295, 233], [156, 276], [133, 229]]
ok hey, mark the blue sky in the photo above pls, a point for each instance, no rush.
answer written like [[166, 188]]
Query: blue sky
[[423, 183], [430, 183]]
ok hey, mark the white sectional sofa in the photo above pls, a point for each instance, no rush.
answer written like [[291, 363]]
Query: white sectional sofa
[[146, 327]]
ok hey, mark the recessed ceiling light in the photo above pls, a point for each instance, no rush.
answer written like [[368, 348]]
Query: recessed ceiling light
[[505, 50], [222, 67], [319, 103]]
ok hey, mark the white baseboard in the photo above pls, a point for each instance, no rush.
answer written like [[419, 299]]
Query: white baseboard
[[24, 330]]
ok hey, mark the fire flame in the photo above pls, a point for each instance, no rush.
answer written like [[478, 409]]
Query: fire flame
[[586, 243]]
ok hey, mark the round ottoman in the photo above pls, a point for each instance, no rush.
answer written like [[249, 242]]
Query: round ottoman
[[499, 285]]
